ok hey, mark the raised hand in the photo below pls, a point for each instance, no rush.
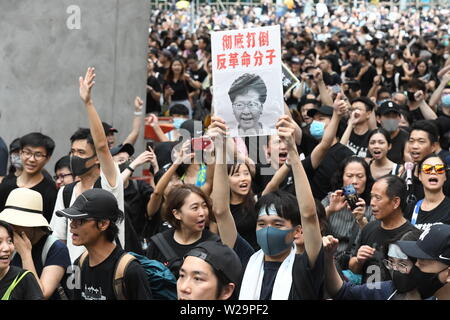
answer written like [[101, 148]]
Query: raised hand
[[138, 104], [337, 201], [286, 130], [86, 85], [364, 253], [330, 245], [340, 105]]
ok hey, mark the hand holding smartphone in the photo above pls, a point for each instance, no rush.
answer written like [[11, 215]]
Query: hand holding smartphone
[[351, 196]]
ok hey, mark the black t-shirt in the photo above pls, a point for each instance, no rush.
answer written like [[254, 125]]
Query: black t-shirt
[[319, 179], [373, 235], [245, 223], [153, 105], [46, 188], [136, 195], [97, 281], [440, 214], [27, 289], [264, 173], [198, 75], [180, 250], [307, 282], [58, 255], [398, 145], [366, 80], [359, 143], [181, 89], [160, 73]]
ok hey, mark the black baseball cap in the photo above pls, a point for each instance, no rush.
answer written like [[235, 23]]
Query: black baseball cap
[[433, 244], [388, 107], [128, 148], [109, 128], [223, 259], [325, 110], [194, 127], [94, 203]]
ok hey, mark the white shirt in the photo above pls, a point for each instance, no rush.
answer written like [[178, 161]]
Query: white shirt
[[61, 227]]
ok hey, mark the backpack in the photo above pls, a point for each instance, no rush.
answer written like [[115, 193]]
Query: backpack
[[162, 282], [68, 190], [173, 261]]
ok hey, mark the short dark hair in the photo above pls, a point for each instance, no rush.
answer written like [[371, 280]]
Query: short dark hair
[[175, 201], [429, 127], [285, 204], [246, 82], [416, 84], [8, 228], [37, 139], [83, 134], [396, 187], [63, 162], [112, 231], [365, 53], [337, 181], [367, 102], [180, 109]]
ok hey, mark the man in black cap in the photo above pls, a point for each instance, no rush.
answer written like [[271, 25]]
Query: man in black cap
[[217, 265], [432, 251], [93, 218], [109, 132], [389, 116]]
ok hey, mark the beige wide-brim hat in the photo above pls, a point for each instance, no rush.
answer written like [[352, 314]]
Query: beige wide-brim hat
[[24, 208]]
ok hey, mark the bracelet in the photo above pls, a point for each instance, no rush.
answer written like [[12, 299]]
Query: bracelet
[[138, 113], [130, 168]]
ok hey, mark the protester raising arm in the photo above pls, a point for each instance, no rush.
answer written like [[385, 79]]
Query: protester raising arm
[[144, 157], [152, 121], [134, 134], [105, 158], [156, 198], [325, 96], [221, 187], [305, 199], [333, 282], [436, 96]]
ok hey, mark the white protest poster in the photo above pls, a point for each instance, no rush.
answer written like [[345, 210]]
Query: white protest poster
[[247, 79]]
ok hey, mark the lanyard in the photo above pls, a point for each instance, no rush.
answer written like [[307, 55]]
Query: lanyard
[[416, 212]]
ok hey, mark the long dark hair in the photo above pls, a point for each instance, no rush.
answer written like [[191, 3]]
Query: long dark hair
[[248, 206], [337, 181], [170, 75]]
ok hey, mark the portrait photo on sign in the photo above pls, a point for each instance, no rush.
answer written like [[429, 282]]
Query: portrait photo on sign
[[248, 92]]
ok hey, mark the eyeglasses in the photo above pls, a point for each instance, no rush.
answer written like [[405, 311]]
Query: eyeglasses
[[400, 267], [61, 176], [80, 222], [251, 105], [37, 155], [438, 168]]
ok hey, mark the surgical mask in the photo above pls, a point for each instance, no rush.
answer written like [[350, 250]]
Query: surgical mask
[[317, 129], [16, 162], [403, 282], [445, 100], [177, 122], [390, 125], [393, 57], [78, 165], [272, 240], [427, 283]]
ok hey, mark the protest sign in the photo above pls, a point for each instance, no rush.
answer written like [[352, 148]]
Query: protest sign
[[247, 79]]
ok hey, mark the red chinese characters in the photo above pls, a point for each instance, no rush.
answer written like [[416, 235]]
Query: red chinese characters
[[245, 59]]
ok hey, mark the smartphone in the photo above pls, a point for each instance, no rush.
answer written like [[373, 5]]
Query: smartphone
[[351, 196], [201, 143], [310, 76], [150, 145]]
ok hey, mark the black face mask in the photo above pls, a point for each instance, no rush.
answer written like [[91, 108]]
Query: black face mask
[[123, 166], [427, 283], [403, 282], [78, 165]]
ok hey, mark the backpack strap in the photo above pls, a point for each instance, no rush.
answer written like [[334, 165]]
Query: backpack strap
[[82, 258], [13, 285], [119, 273], [164, 246], [67, 193]]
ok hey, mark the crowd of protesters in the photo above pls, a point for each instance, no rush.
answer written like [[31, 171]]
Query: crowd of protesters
[[350, 200]]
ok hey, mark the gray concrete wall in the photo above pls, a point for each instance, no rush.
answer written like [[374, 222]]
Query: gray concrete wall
[[41, 58]]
